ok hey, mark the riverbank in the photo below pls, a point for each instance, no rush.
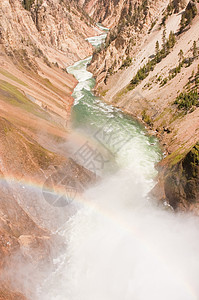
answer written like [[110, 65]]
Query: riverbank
[[177, 132]]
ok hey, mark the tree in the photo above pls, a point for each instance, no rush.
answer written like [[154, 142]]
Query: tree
[[188, 15], [197, 77], [157, 51], [181, 56], [157, 47], [164, 39], [172, 39], [27, 4], [182, 22], [195, 51]]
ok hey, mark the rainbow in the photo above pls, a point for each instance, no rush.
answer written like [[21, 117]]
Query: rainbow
[[86, 203], [38, 185]]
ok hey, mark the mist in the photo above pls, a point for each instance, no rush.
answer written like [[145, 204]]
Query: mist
[[122, 245]]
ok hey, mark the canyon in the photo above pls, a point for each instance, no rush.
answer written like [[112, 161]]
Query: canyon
[[38, 41]]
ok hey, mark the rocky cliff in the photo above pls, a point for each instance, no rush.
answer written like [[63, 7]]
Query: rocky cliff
[[181, 181], [46, 27], [103, 11], [127, 37], [38, 39], [27, 219], [156, 80]]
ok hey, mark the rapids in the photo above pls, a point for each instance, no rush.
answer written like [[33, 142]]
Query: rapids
[[120, 244]]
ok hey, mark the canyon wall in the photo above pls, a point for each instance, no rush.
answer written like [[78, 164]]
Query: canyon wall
[[103, 11], [46, 27], [156, 81], [127, 37], [38, 39]]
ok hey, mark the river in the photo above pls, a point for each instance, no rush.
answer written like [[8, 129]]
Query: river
[[120, 244]]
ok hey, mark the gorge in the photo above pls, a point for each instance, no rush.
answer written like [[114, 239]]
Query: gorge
[[91, 207]]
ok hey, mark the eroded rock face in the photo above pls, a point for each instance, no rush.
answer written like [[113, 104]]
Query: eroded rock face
[[16, 225], [31, 40], [134, 20], [178, 181], [6, 294], [179, 5], [27, 217], [103, 11], [54, 24], [181, 181]]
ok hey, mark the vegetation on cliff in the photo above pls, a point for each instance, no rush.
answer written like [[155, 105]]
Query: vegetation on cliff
[[167, 45], [174, 6], [27, 4], [186, 100], [188, 15], [124, 37], [189, 98], [169, 97]]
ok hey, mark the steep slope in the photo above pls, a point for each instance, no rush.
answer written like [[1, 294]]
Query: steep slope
[[37, 42], [103, 11], [47, 27], [27, 217], [159, 85], [38, 102], [128, 37], [28, 159]]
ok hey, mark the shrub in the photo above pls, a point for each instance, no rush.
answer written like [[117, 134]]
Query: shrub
[[27, 4], [186, 100]]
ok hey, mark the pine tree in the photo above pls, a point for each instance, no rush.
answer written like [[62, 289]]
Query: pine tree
[[157, 48], [27, 4], [182, 22], [195, 51], [164, 40], [181, 56], [157, 51], [172, 39], [197, 77]]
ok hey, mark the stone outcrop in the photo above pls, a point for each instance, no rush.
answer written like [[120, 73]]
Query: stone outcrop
[[179, 181]]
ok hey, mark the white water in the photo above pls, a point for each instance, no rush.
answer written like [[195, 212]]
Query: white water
[[120, 244]]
